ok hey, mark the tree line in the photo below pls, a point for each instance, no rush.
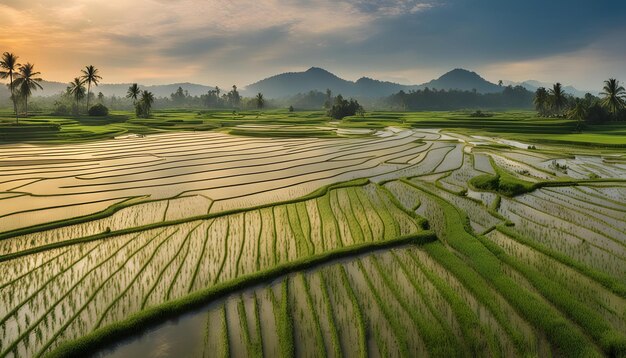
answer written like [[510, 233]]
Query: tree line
[[439, 100], [611, 106]]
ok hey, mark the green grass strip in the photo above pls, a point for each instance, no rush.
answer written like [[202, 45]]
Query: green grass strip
[[612, 342], [245, 330], [111, 210], [143, 267], [197, 269], [319, 339], [332, 325], [356, 230], [243, 244], [435, 338], [360, 318], [225, 255], [560, 332], [284, 321], [225, 341], [166, 266], [257, 324], [399, 333], [469, 323], [112, 333], [56, 303], [602, 278]]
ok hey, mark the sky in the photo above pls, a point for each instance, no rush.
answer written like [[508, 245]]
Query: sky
[[225, 42]]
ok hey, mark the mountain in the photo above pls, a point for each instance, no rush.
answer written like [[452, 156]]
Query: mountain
[[318, 79], [291, 83], [119, 89], [532, 86], [464, 80]]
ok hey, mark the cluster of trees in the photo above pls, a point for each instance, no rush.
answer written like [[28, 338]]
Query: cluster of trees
[[23, 80], [214, 98], [341, 107], [142, 100], [439, 100], [554, 102], [76, 89]]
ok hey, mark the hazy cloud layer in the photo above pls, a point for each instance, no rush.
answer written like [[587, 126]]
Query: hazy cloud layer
[[240, 41]]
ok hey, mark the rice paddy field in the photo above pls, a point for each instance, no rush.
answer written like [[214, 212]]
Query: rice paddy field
[[273, 234]]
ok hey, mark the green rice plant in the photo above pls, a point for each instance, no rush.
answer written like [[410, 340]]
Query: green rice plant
[[345, 207], [559, 331], [166, 266], [360, 319], [225, 341], [605, 280], [258, 345], [398, 331], [612, 342], [321, 348], [71, 289], [251, 348], [331, 325], [224, 256], [197, 265], [435, 338], [284, 322], [359, 212]]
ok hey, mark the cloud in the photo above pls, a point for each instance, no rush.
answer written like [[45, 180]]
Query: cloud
[[240, 41]]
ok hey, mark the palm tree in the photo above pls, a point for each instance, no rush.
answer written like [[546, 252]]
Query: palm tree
[[27, 82], [90, 75], [133, 92], [558, 98], [145, 104], [614, 96], [578, 113], [541, 101], [9, 65], [77, 90], [260, 102]]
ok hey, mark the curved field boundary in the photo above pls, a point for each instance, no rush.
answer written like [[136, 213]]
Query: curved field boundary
[[115, 208], [486, 259], [112, 333]]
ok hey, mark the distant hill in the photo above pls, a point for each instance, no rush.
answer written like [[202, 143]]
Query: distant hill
[[532, 86], [464, 80], [119, 89], [318, 79]]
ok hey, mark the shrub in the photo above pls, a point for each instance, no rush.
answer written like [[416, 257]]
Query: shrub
[[480, 114], [343, 108], [597, 114], [98, 110], [61, 109]]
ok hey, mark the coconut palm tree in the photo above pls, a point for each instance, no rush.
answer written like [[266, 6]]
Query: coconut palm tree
[[578, 113], [9, 65], [145, 104], [614, 96], [90, 75], [133, 92], [77, 90], [27, 82], [558, 98], [541, 101], [260, 102]]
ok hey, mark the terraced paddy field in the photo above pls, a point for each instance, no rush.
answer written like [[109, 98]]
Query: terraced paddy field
[[312, 241]]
